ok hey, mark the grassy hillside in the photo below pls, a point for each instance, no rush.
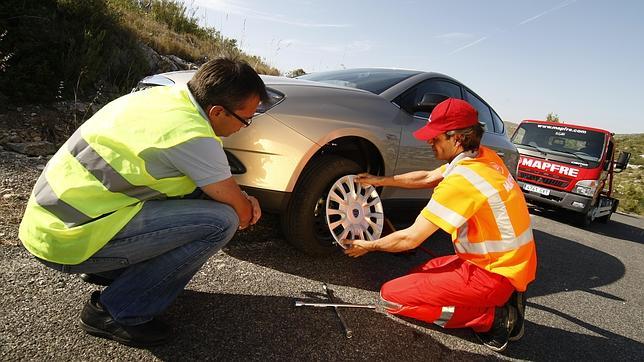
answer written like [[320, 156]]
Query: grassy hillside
[[629, 184], [68, 49]]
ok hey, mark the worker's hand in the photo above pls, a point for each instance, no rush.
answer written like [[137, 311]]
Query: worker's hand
[[355, 248], [368, 179]]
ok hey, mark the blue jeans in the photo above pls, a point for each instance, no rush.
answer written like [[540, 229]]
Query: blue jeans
[[156, 254]]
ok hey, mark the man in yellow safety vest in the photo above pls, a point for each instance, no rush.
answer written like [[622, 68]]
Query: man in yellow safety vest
[[141, 195]]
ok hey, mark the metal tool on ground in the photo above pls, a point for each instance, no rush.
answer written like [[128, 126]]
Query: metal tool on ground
[[299, 303], [347, 332]]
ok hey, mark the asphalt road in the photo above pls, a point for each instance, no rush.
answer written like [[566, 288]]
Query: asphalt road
[[586, 304]]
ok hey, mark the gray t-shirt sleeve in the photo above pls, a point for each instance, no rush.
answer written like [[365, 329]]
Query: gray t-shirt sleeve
[[203, 160]]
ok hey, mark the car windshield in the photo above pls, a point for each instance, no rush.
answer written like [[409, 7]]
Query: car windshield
[[577, 143], [372, 80]]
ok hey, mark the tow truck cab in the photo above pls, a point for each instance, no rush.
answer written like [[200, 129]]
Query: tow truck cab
[[568, 166]]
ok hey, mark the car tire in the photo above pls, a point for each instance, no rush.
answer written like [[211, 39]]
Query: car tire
[[304, 221]]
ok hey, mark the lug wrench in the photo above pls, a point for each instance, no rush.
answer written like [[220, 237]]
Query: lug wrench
[[299, 303], [347, 332]]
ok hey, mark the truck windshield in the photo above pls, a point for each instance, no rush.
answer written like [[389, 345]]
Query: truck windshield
[[561, 140]]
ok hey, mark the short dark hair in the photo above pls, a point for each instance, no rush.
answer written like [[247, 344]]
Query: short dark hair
[[469, 137], [226, 81]]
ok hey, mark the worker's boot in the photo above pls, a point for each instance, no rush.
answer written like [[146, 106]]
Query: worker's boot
[[517, 300], [497, 337], [96, 321]]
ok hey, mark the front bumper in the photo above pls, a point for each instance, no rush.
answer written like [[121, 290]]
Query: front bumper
[[560, 199]]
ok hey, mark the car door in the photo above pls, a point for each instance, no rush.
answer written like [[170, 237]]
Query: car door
[[413, 154]]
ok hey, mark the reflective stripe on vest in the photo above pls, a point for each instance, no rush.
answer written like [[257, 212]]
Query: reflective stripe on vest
[[444, 213], [101, 170], [46, 197], [463, 245], [105, 173]]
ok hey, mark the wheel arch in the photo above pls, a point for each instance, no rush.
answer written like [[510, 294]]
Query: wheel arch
[[357, 149]]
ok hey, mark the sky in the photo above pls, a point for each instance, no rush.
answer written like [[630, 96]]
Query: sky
[[582, 60]]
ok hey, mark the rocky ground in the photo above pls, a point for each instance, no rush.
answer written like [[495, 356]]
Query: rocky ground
[[18, 175], [29, 135]]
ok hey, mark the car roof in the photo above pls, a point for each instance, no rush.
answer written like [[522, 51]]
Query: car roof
[[183, 76]]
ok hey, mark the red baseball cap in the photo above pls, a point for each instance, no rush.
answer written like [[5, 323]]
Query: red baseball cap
[[450, 114]]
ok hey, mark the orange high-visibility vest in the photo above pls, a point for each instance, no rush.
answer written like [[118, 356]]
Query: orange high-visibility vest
[[482, 207]]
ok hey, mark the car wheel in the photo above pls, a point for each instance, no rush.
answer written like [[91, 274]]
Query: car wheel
[[304, 222]]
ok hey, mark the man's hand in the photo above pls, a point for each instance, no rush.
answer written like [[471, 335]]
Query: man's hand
[[368, 179], [257, 211], [355, 248], [228, 192]]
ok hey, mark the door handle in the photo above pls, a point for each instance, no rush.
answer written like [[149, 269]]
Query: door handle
[[501, 154]]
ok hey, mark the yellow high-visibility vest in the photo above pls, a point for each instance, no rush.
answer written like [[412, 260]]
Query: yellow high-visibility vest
[[482, 207], [97, 181]]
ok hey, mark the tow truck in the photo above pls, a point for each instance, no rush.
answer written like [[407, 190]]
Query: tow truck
[[570, 167]]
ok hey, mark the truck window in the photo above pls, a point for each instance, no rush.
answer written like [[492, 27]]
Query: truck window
[[563, 143]]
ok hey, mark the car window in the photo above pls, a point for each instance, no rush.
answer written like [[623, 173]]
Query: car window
[[485, 115], [499, 126], [414, 95], [372, 80]]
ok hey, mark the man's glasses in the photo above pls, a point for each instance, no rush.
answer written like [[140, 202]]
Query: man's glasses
[[245, 122]]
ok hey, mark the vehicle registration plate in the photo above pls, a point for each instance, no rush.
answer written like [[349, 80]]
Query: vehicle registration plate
[[537, 189]]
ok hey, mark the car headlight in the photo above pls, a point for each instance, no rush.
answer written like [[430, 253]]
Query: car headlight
[[585, 187], [274, 98]]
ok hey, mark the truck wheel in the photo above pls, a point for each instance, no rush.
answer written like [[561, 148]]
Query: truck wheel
[[588, 218], [304, 222], [605, 219]]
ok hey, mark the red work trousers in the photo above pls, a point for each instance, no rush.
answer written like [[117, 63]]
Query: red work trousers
[[450, 292]]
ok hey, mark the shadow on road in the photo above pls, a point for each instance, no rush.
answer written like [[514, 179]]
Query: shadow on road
[[565, 265], [613, 228], [558, 344], [246, 327]]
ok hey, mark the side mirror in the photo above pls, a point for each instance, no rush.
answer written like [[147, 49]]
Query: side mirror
[[622, 161], [429, 101]]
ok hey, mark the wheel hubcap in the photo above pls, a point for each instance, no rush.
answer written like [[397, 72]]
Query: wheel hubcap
[[353, 211]]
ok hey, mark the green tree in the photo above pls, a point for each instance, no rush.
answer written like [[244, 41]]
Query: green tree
[[552, 117]]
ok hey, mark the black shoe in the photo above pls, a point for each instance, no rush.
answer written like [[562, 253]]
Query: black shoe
[[97, 321], [517, 300], [96, 279], [497, 338]]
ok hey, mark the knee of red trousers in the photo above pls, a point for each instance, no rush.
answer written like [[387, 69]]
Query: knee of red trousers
[[394, 305]]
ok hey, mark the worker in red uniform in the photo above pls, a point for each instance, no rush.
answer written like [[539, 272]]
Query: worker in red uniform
[[477, 201]]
